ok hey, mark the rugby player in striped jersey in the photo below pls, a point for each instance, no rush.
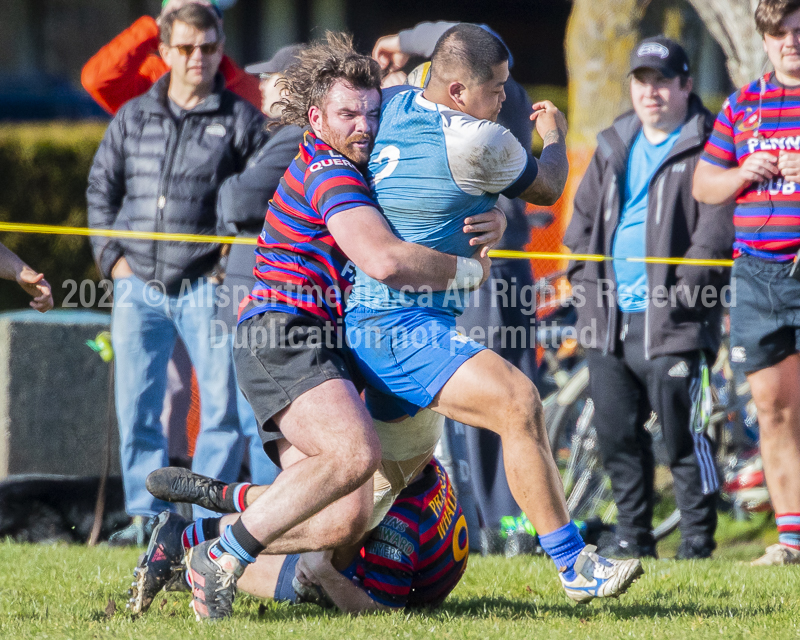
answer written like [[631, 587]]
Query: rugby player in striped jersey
[[290, 357]]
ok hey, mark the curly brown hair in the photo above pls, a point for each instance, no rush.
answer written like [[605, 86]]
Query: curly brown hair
[[771, 13], [318, 67]]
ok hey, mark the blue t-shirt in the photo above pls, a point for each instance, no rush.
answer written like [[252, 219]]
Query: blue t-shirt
[[629, 241]]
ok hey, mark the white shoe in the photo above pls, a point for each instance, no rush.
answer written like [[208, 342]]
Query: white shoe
[[599, 577], [777, 554]]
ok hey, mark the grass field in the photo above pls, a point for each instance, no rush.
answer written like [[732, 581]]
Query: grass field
[[75, 592]]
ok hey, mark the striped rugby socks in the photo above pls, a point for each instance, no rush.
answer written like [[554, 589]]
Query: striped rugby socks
[[199, 531], [789, 529], [233, 496], [237, 541]]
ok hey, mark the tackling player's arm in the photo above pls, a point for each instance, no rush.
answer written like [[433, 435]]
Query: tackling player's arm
[[553, 164], [316, 568], [366, 238]]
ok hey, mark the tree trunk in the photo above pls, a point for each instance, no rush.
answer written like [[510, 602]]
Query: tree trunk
[[600, 38], [732, 25]]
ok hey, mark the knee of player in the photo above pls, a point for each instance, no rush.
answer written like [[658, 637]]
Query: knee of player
[[525, 405], [353, 519], [362, 456]]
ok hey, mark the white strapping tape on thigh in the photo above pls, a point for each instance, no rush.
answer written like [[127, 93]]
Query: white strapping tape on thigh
[[407, 447], [411, 437]]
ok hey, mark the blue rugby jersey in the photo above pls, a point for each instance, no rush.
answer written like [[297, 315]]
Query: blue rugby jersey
[[299, 267], [418, 553], [431, 168], [767, 215]]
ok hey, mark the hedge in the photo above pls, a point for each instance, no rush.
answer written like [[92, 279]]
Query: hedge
[[45, 168]]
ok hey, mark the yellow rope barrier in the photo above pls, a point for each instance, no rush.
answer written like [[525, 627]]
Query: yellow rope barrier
[[19, 227]]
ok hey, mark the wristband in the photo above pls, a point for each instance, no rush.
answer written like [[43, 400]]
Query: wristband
[[469, 273]]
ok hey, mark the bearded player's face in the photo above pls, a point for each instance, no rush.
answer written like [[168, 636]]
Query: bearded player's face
[[348, 122]]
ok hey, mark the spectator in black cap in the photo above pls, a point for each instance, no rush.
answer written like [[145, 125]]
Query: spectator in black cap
[[652, 326]]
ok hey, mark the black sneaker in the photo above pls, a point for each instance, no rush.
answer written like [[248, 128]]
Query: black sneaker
[[213, 581], [695, 548], [156, 565], [135, 534], [176, 484], [622, 548]]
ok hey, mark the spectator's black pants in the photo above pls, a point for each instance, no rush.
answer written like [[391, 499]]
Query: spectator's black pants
[[625, 387]]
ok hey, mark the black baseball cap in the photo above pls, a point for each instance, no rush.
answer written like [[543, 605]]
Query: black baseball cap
[[662, 54], [282, 60]]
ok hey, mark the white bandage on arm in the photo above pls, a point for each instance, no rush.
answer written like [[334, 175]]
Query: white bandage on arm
[[469, 273]]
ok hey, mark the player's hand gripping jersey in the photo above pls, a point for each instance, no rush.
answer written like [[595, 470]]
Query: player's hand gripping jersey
[[763, 116], [431, 168], [418, 553], [299, 266]]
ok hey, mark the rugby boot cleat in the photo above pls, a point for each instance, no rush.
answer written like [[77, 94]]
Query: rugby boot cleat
[[176, 484], [213, 580], [156, 565], [599, 577]]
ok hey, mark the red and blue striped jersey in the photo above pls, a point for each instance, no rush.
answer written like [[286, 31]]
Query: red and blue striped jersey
[[419, 552], [767, 215], [299, 267]]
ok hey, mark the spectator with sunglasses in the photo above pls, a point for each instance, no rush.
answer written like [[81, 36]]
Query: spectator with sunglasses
[[158, 169], [128, 66], [753, 157]]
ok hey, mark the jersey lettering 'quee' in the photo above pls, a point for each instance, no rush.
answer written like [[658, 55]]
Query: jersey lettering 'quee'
[[418, 553], [767, 215], [299, 267]]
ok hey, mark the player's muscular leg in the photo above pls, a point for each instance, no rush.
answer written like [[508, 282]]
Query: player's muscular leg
[[776, 392], [341, 523], [488, 392], [331, 427]]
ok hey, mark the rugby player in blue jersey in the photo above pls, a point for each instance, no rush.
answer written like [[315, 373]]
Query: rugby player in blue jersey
[[439, 157]]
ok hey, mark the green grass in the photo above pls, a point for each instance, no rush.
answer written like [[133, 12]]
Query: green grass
[[64, 592]]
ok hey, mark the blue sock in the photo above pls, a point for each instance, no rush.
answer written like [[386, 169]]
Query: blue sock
[[564, 545], [237, 541]]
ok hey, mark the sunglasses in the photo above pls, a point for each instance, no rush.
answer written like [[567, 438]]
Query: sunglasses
[[207, 49]]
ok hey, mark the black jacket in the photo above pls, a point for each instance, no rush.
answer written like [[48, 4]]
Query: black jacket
[[677, 226], [153, 173], [242, 206]]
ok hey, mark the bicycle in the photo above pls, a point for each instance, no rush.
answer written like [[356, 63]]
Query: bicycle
[[732, 425]]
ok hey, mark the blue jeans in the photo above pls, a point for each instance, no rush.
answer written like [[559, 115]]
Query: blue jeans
[[145, 322]]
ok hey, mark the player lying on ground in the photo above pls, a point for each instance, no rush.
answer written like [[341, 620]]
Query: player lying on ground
[[413, 558]]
